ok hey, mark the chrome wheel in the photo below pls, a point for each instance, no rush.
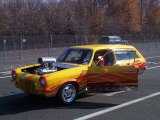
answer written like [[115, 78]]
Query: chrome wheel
[[68, 93]]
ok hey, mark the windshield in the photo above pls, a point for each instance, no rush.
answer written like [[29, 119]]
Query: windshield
[[76, 56]]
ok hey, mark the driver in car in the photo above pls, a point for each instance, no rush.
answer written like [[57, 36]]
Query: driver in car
[[98, 59]]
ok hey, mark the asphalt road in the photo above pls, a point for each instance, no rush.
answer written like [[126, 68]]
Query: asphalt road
[[129, 105]]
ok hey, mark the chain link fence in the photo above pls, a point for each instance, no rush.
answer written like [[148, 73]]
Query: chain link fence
[[59, 41], [34, 46]]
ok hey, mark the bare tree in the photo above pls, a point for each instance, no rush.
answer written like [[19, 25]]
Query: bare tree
[[12, 8], [34, 15], [150, 16], [46, 17]]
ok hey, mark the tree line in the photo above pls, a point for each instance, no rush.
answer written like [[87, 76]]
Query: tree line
[[71, 17]]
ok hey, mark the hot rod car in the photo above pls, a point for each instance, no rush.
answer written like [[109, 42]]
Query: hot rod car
[[116, 67]]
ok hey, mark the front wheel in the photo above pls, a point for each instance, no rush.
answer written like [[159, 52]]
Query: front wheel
[[67, 93]]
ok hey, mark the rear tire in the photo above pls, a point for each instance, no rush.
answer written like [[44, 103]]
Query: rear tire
[[140, 72], [67, 93]]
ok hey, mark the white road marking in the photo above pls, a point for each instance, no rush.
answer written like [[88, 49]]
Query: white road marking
[[152, 57], [6, 72], [113, 93], [154, 62], [117, 107], [6, 77], [153, 67], [1, 96]]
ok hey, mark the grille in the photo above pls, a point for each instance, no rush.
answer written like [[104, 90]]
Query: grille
[[28, 85]]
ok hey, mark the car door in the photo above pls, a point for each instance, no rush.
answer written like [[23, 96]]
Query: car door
[[112, 77]]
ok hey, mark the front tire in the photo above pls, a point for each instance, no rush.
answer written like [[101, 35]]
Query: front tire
[[67, 93]]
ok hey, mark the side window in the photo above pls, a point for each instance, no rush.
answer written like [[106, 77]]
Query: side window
[[98, 59], [103, 58], [125, 55]]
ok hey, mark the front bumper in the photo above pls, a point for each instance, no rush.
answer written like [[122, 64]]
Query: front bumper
[[31, 87]]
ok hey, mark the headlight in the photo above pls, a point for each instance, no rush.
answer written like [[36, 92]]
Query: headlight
[[14, 75], [42, 81]]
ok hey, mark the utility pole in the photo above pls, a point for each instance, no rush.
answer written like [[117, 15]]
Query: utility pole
[[141, 15]]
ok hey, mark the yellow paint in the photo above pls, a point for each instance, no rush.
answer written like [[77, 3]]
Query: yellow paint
[[82, 74]]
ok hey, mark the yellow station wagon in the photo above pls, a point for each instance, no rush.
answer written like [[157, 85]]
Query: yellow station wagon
[[95, 67]]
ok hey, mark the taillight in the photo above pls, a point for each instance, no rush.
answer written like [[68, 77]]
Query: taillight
[[14, 74], [42, 81]]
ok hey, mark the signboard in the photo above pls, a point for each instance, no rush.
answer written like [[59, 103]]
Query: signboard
[[23, 40], [4, 41]]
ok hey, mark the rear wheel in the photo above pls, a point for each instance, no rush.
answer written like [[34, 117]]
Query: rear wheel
[[67, 93], [140, 72]]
